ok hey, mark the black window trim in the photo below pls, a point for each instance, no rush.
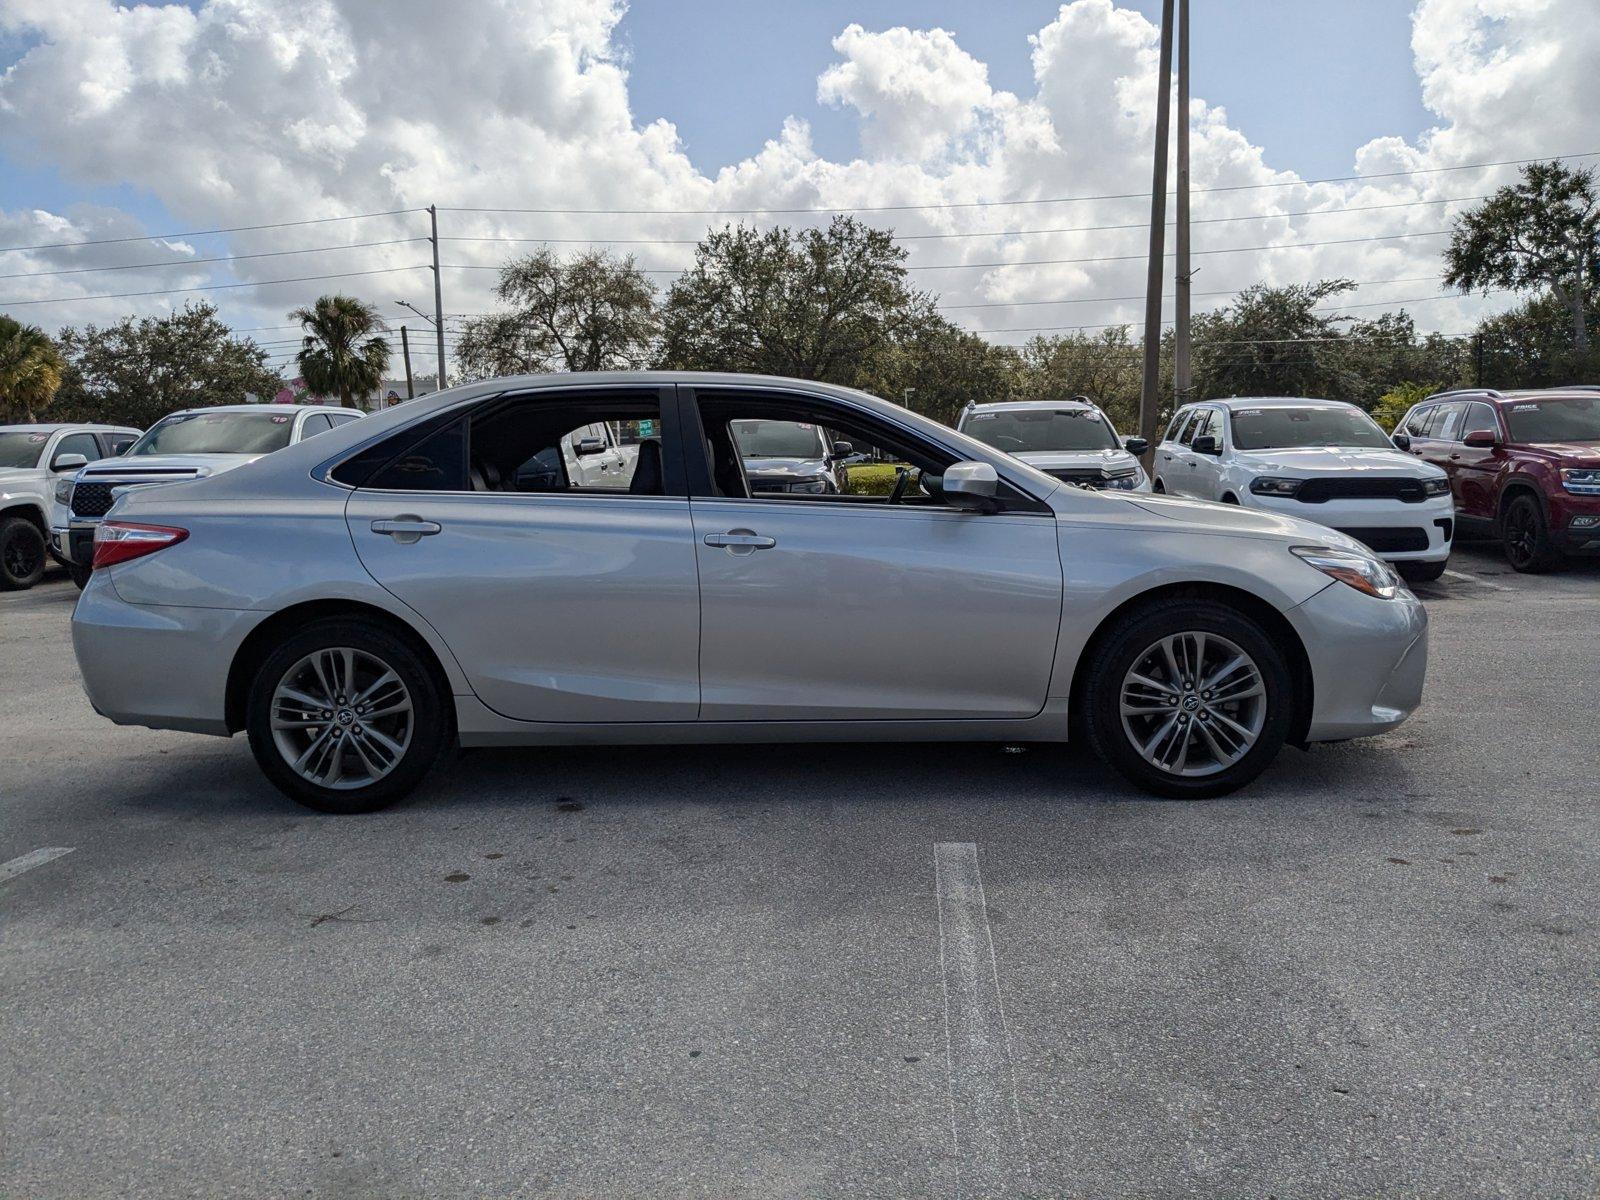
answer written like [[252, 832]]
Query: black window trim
[[698, 470], [426, 427]]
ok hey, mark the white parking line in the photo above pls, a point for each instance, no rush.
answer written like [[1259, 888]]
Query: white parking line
[[34, 858], [1479, 580], [985, 1120]]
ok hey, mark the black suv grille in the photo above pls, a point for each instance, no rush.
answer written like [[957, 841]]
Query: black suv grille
[[91, 499], [1316, 491]]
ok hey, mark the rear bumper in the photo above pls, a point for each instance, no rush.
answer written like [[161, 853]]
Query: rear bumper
[[161, 667], [1384, 525], [1369, 658]]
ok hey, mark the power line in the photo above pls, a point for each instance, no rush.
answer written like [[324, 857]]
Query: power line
[[193, 262], [156, 237], [917, 237], [213, 287], [1241, 187]]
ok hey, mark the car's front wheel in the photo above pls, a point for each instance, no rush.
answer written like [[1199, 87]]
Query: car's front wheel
[[22, 554], [344, 716], [1525, 536], [1188, 699]]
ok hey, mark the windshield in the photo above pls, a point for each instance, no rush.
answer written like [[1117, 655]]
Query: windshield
[[218, 433], [1574, 420], [1043, 429], [1285, 428], [19, 449], [777, 439]]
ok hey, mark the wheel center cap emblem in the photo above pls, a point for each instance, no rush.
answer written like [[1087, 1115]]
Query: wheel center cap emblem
[[1190, 703], [346, 716]]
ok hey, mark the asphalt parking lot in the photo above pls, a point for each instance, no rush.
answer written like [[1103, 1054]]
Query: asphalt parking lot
[[864, 970]]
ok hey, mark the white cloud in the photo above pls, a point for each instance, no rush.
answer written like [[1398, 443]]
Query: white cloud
[[239, 112]]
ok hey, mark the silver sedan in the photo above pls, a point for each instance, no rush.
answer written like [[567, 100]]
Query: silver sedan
[[438, 575]]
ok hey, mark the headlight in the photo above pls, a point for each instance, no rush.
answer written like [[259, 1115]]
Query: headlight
[[1125, 480], [1436, 487], [811, 487], [1272, 485], [1361, 571], [1583, 480], [64, 491]]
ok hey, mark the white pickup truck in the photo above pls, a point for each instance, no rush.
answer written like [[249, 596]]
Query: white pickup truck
[[32, 459]]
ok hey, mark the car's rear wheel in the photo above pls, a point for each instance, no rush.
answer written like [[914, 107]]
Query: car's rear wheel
[[22, 554], [1525, 536], [1420, 572], [345, 716], [1188, 699]]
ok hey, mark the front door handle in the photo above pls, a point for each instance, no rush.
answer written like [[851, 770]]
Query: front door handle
[[740, 541], [406, 528]]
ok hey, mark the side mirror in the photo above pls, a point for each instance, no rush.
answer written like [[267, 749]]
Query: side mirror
[[589, 445], [1135, 445], [68, 462], [843, 450], [1481, 438], [1402, 441], [970, 485], [1206, 443]]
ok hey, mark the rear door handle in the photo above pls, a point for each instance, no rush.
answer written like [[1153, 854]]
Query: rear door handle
[[740, 541], [407, 528]]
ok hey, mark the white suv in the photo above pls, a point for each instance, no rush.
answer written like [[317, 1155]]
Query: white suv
[[1323, 460], [1073, 440], [32, 459]]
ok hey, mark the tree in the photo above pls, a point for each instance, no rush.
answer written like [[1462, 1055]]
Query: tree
[[824, 304], [1531, 346], [31, 370], [1398, 401], [334, 359], [1103, 366], [1541, 233], [936, 368], [1272, 341], [137, 371], [592, 312]]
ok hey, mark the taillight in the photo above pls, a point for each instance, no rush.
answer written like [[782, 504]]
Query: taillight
[[119, 541]]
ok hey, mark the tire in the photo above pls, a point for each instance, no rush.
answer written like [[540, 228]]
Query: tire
[[331, 780], [1230, 498], [1158, 487], [80, 575], [22, 554], [1525, 537], [1130, 645], [1420, 572]]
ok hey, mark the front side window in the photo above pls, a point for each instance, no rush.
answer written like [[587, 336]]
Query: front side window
[[1207, 424], [1480, 419], [1576, 419], [316, 423], [20, 449], [217, 433], [1197, 419], [1025, 430], [1286, 428], [1178, 418], [78, 443], [542, 444]]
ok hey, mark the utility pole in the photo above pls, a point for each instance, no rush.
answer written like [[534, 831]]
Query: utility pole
[[405, 353], [438, 290], [1150, 397], [1181, 375], [1477, 358]]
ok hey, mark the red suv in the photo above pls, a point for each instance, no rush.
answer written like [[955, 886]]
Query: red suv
[[1523, 466]]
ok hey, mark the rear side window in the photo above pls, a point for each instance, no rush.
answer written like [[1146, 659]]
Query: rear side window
[[438, 463], [118, 443], [1417, 422], [1447, 425]]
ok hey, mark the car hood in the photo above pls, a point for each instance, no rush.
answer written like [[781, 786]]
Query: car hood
[[786, 467], [1313, 461], [1208, 517], [1076, 460], [1568, 454], [169, 464]]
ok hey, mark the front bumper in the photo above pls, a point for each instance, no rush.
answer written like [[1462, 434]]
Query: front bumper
[[1575, 523], [1426, 529], [1369, 658], [73, 544], [157, 666]]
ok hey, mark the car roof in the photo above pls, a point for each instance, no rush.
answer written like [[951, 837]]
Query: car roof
[[91, 426], [1235, 403], [1075, 403], [274, 408], [1572, 391]]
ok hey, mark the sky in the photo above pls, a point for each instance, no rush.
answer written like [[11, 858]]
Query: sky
[[1007, 143]]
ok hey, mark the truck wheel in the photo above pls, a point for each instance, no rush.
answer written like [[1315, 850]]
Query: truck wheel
[[1525, 537], [22, 554], [80, 575]]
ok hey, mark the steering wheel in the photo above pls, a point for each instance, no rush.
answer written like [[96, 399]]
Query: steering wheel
[[902, 484]]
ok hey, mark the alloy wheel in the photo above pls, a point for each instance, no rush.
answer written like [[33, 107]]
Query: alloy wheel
[[1520, 534], [342, 718], [1193, 704], [22, 557]]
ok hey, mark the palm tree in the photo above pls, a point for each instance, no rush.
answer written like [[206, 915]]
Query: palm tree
[[31, 367], [334, 359]]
